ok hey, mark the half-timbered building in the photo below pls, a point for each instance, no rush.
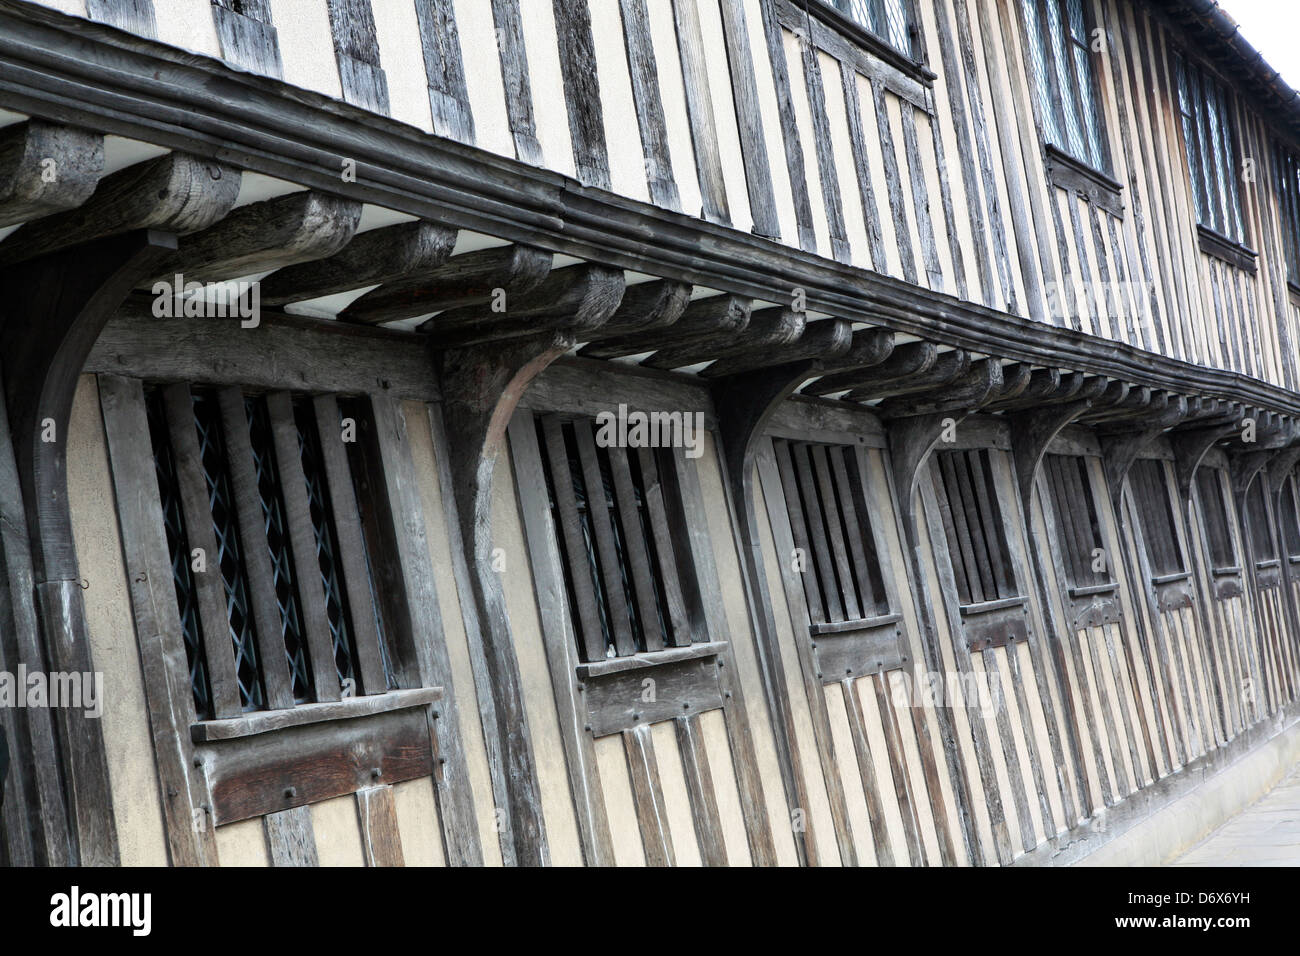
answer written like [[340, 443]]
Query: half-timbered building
[[723, 432]]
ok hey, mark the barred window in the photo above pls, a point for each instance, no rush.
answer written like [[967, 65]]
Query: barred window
[[1156, 516], [1065, 77], [825, 500], [265, 532], [618, 517], [891, 20], [1214, 512], [1289, 518], [1211, 153], [1288, 188], [1076, 517], [973, 526], [1263, 543]]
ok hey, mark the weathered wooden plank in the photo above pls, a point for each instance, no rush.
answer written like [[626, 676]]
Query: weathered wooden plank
[[582, 91], [302, 546], [699, 110], [649, 105], [769, 330], [515, 78], [749, 120], [255, 550], [469, 279], [558, 632], [413, 614], [867, 772], [444, 70], [789, 126], [291, 838], [898, 769], [351, 545], [356, 48], [648, 796], [265, 235], [196, 511], [829, 176], [177, 193], [699, 788], [247, 36], [190, 839], [137, 16], [381, 840], [45, 169], [702, 320]]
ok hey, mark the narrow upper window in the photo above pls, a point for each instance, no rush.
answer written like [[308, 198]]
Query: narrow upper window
[[1289, 518], [266, 532], [1065, 75], [1214, 512], [887, 19], [1076, 515], [1211, 153], [621, 541], [972, 523], [1263, 544], [1288, 189], [828, 519], [1151, 493]]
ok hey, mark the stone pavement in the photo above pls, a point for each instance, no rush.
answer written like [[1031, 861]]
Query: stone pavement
[[1264, 834]]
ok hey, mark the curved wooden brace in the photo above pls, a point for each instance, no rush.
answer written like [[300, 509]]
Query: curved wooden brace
[[55, 308], [482, 386], [1032, 431], [744, 403], [1190, 448]]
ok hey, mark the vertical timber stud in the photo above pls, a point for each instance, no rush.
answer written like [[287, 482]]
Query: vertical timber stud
[[1032, 430], [356, 48], [481, 386], [444, 70], [582, 91], [911, 440], [133, 15], [247, 36], [514, 76], [745, 401], [55, 309]]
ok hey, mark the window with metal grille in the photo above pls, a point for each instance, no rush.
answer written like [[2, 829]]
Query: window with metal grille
[[1156, 516], [973, 526], [890, 20], [1064, 71], [1211, 151], [1263, 543], [1288, 189], [826, 502], [1077, 521], [1289, 518], [260, 506], [1214, 513], [617, 514]]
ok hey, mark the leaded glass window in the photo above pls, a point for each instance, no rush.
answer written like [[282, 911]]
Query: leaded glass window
[[1211, 151], [1064, 70]]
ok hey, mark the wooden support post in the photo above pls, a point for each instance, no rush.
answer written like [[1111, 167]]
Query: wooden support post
[[482, 386], [57, 306], [744, 402]]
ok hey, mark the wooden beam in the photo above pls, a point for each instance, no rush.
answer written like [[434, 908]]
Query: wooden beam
[[826, 341], [646, 306], [444, 69], [463, 280], [582, 91], [356, 50], [702, 320], [176, 193], [45, 169], [482, 386], [374, 257], [265, 235], [577, 298], [515, 78], [772, 329], [907, 361]]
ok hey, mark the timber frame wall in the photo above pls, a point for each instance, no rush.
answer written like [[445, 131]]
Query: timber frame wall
[[927, 450]]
